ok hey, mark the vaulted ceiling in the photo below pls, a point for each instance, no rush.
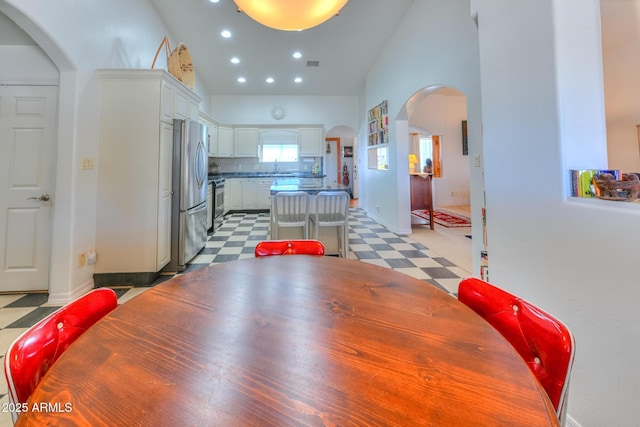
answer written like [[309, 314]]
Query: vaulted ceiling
[[345, 47]]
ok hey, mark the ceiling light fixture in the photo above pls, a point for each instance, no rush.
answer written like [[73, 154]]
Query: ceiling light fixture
[[298, 80], [290, 15], [297, 55], [241, 80], [270, 80], [226, 34], [235, 60]]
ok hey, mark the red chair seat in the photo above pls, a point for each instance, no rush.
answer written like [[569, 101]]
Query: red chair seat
[[31, 355], [289, 247], [545, 344]]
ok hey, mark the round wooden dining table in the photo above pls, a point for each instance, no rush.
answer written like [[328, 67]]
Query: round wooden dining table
[[287, 341]]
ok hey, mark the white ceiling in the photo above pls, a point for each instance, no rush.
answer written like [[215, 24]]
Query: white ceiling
[[346, 47]]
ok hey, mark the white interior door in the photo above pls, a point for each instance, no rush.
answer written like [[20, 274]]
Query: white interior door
[[332, 163], [28, 116]]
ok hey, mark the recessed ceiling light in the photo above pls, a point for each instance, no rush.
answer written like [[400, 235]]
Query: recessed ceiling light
[[235, 60], [241, 80], [297, 55], [214, 1], [298, 80], [270, 80], [226, 34]]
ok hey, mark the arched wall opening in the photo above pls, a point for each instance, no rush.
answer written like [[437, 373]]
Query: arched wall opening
[[437, 110], [60, 246], [341, 160]]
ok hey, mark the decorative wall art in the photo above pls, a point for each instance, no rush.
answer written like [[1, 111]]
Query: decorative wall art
[[465, 139]]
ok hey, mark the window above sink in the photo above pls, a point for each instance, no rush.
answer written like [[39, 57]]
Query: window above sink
[[272, 153]]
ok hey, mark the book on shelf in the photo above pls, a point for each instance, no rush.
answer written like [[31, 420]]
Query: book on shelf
[[378, 124], [583, 181]]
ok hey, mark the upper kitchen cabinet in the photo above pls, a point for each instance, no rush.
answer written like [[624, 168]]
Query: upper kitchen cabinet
[[246, 142], [133, 230], [212, 132], [311, 142], [225, 141]]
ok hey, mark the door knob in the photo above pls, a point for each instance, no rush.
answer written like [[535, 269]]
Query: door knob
[[43, 198]]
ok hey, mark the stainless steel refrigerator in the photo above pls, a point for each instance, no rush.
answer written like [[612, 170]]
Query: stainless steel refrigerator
[[189, 199]]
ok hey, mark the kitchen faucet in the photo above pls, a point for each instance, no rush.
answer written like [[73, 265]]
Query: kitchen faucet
[[275, 167]]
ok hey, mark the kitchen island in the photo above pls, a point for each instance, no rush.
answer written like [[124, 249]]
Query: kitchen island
[[312, 186]]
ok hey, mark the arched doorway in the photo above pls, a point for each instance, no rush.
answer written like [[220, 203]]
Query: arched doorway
[[438, 113], [36, 65], [341, 158]]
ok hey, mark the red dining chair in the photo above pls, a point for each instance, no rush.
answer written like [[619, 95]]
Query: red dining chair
[[31, 355], [289, 247], [545, 344]]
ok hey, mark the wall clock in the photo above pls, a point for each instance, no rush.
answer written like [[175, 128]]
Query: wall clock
[[278, 112]]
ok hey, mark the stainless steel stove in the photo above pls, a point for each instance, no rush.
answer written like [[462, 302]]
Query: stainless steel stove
[[218, 201]]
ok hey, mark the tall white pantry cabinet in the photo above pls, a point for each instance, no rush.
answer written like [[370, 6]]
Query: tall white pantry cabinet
[[133, 230]]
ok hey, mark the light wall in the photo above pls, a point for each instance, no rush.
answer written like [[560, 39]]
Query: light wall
[[330, 111], [114, 34], [621, 21], [435, 45], [543, 113]]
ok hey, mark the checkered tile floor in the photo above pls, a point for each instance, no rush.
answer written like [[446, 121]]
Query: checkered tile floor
[[236, 239]]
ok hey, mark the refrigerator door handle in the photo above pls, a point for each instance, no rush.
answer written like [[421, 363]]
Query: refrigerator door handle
[[202, 207], [201, 168]]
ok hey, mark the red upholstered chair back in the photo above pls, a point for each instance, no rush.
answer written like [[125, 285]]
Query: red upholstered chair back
[[289, 247], [31, 355], [545, 344]]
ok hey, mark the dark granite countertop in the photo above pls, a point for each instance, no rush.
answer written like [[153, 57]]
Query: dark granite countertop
[[275, 175], [311, 185]]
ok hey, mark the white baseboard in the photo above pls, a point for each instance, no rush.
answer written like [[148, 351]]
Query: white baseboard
[[62, 298], [570, 422]]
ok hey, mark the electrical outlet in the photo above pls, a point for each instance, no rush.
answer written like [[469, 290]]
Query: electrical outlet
[[91, 257], [82, 259], [86, 163]]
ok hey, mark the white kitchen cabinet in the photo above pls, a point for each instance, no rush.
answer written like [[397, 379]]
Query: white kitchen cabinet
[[213, 139], [133, 230], [225, 141], [184, 107], [227, 197], [212, 132], [234, 201], [165, 194], [167, 98], [246, 142], [311, 142], [249, 193], [263, 193]]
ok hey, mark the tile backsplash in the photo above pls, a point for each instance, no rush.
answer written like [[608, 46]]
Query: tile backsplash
[[251, 164]]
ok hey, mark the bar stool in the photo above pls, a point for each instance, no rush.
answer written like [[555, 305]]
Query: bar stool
[[290, 209], [332, 210]]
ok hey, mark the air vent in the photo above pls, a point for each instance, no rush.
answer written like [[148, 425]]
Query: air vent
[[313, 63]]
